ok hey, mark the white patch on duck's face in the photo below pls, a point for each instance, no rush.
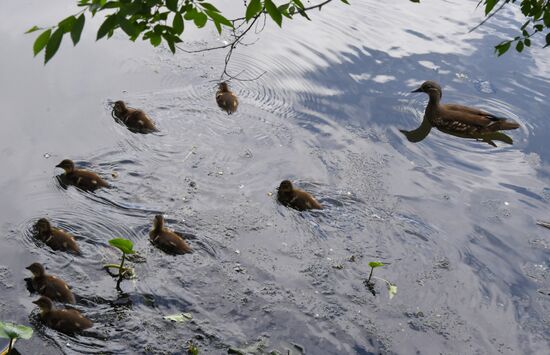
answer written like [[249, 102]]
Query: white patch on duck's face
[[65, 245], [77, 324]]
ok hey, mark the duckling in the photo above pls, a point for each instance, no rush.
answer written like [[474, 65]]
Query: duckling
[[458, 118], [226, 99], [295, 198], [136, 120], [84, 179], [63, 320], [49, 286], [55, 238], [167, 240]]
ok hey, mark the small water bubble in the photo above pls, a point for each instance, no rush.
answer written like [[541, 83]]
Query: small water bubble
[[506, 203], [47, 155], [241, 186]]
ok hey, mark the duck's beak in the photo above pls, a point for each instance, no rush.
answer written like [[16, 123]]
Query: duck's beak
[[28, 267], [418, 90], [35, 302], [58, 165]]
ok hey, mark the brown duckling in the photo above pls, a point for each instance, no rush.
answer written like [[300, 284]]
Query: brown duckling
[[295, 198], [136, 120], [55, 238], [50, 286], [84, 179], [458, 118], [226, 99], [64, 320], [167, 240]]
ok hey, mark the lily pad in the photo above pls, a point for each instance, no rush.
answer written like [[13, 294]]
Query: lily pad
[[124, 245], [179, 317], [14, 331]]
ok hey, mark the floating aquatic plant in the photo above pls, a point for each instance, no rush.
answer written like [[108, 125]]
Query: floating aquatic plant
[[127, 248], [392, 288], [14, 331], [192, 349]]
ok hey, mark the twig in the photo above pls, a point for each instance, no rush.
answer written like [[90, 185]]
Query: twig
[[488, 17], [237, 39]]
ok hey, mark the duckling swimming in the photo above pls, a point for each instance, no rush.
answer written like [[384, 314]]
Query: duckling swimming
[[63, 320], [295, 198], [136, 120], [55, 238], [458, 118], [226, 99], [167, 240], [49, 286], [84, 179]]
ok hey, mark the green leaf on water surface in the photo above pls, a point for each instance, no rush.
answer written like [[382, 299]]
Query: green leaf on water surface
[[374, 264], [124, 245], [14, 331]]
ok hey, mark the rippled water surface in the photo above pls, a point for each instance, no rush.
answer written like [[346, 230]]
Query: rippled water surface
[[454, 218]]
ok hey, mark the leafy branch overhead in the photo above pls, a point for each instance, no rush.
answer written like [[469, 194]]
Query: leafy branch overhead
[[537, 14], [165, 20]]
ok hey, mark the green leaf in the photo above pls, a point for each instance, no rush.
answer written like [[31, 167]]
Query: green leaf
[[489, 5], [32, 29], [14, 331], [155, 39], [347, 2], [124, 245], [502, 47], [392, 290], [41, 41], [53, 44], [172, 5], [179, 317], [274, 12], [374, 264], [77, 29], [208, 6], [253, 9], [200, 19], [128, 26], [107, 25], [177, 24], [519, 46], [170, 42], [219, 19], [417, 1], [66, 25], [300, 5]]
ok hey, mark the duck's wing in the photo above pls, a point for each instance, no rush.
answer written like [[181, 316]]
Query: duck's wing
[[473, 111], [467, 116]]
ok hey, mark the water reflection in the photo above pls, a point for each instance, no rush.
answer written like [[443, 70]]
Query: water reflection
[[420, 133]]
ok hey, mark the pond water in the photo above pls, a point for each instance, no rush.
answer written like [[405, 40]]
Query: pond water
[[454, 219]]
